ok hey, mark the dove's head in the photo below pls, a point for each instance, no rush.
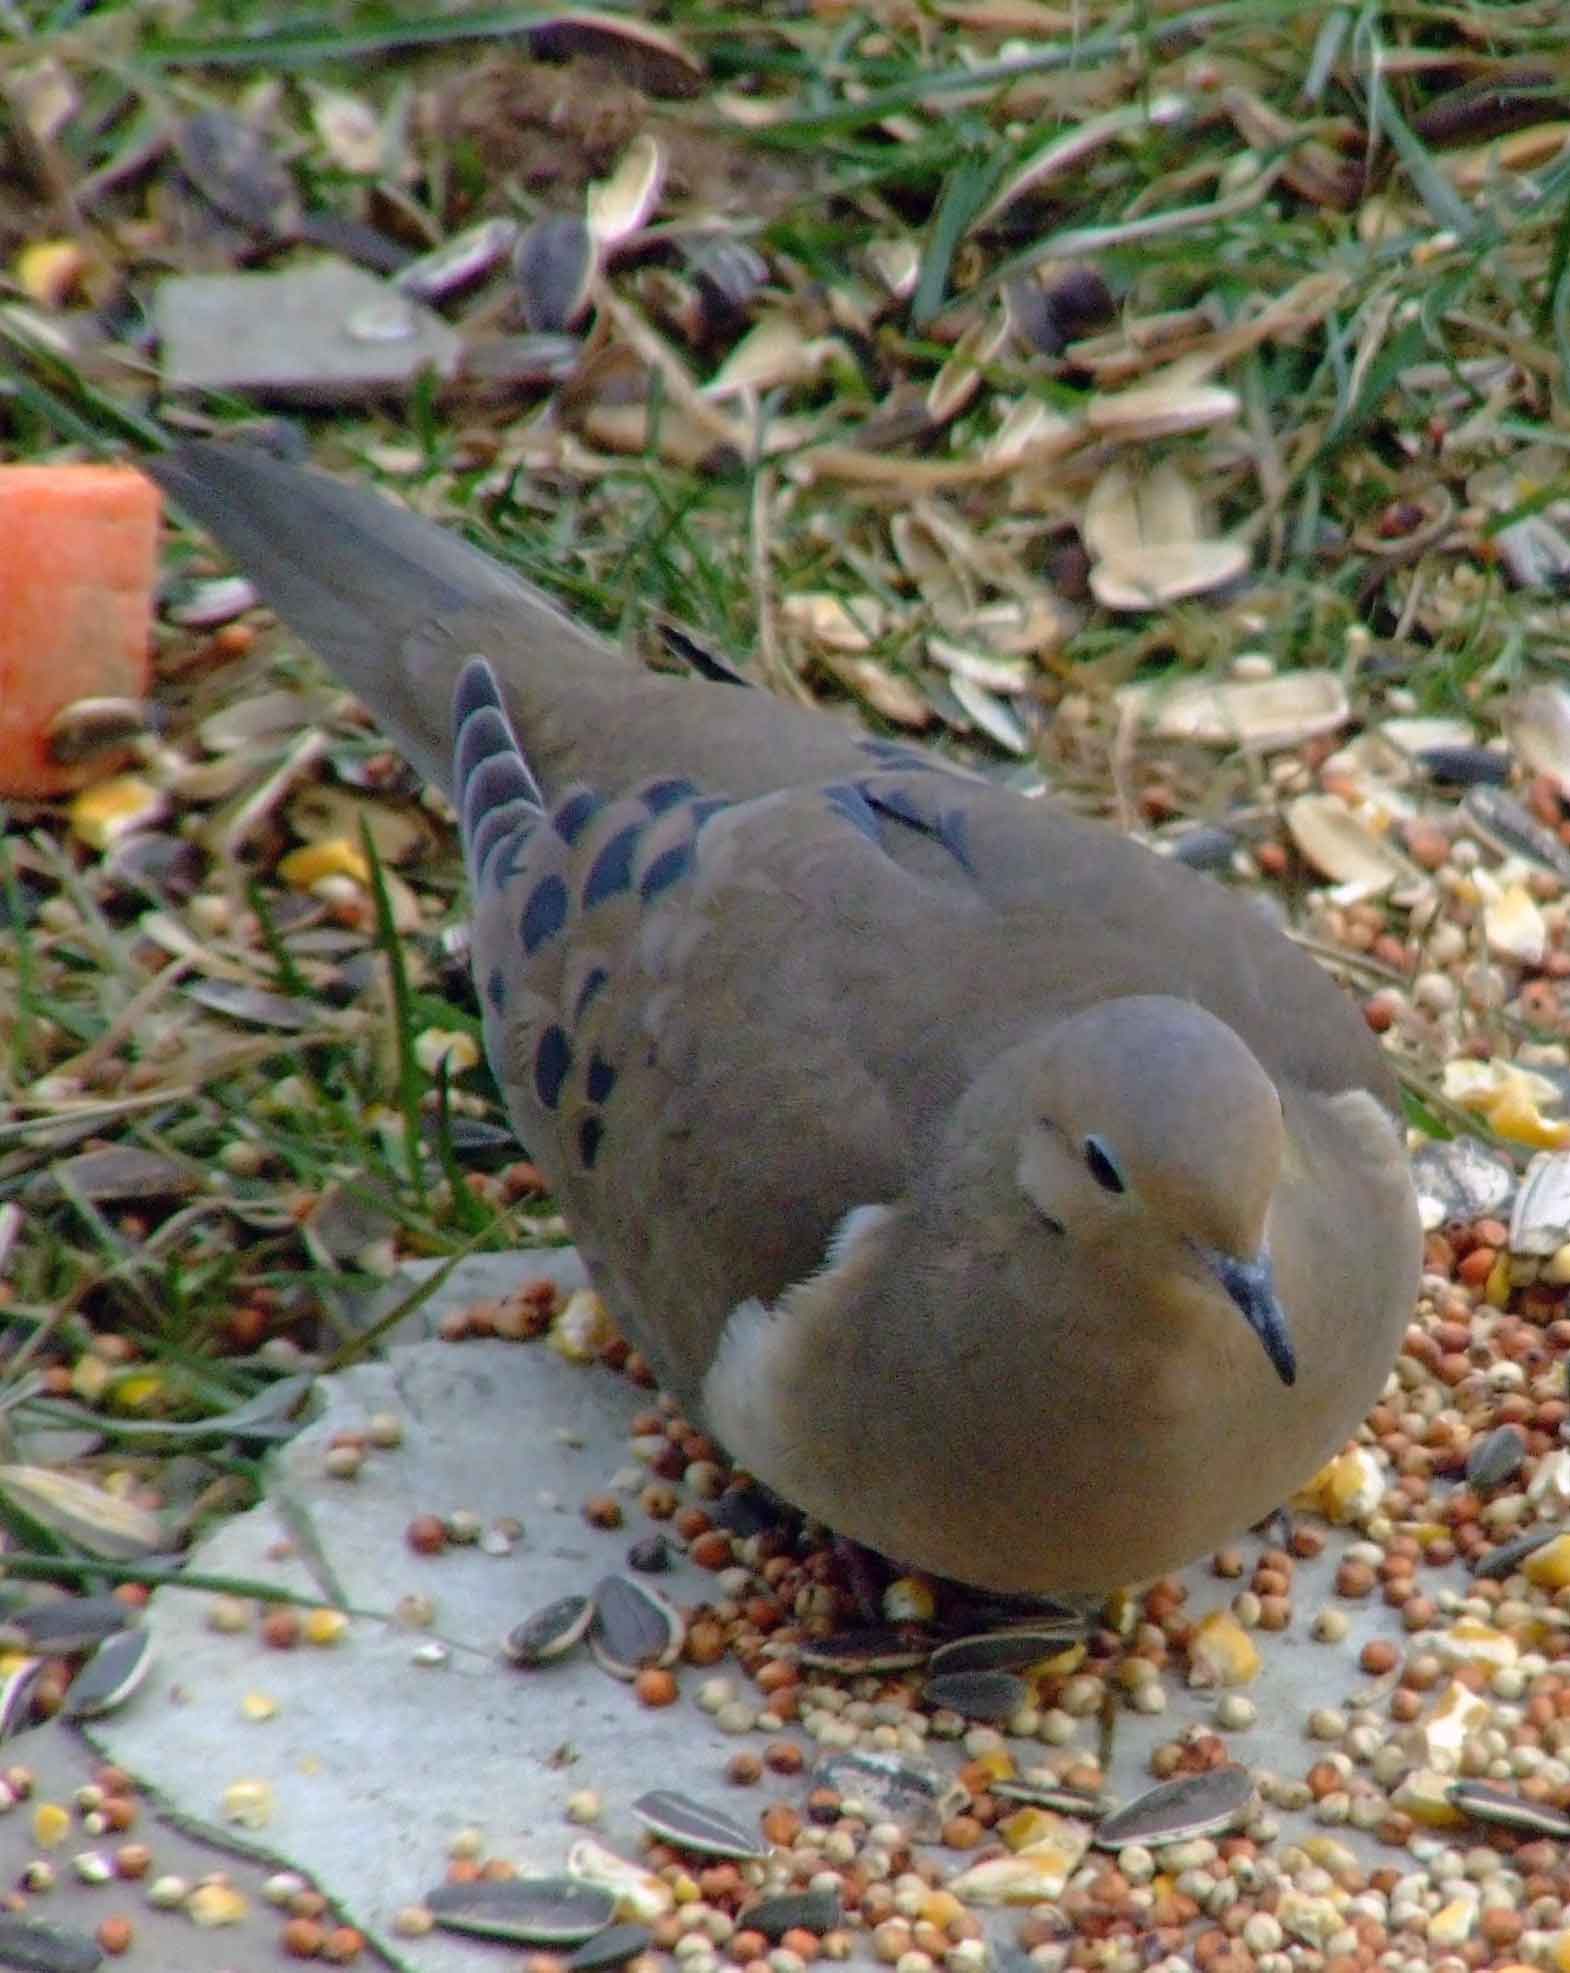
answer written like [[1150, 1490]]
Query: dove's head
[[1153, 1131]]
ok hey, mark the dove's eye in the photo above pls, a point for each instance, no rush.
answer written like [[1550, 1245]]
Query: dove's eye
[[1103, 1166]]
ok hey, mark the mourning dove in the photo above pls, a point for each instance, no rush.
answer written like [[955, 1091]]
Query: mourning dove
[[1016, 1202]]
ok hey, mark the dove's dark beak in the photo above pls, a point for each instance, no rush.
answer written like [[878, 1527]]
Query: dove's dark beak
[[1252, 1287]]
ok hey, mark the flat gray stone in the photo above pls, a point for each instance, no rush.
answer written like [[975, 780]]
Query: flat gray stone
[[324, 333], [375, 1762]]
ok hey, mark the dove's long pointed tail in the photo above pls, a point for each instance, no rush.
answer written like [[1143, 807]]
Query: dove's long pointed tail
[[394, 603], [397, 605]]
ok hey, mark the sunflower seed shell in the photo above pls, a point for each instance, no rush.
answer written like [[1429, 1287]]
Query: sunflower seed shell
[[634, 1627], [692, 1826], [1175, 1811], [541, 1911], [550, 1633], [110, 1676]]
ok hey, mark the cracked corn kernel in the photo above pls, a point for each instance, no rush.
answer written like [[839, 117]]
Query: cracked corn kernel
[[324, 1627], [249, 1804], [1221, 1652], [216, 1903]]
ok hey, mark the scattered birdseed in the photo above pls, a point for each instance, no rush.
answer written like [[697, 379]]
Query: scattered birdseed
[[690, 1825], [1192, 1805], [542, 1911], [551, 1632]]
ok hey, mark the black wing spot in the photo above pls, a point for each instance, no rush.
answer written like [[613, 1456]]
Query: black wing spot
[[552, 1061], [661, 795], [600, 1080], [596, 978], [496, 990], [944, 826], [668, 868], [590, 1133], [611, 871], [709, 805], [544, 914], [848, 802], [575, 813], [954, 834]]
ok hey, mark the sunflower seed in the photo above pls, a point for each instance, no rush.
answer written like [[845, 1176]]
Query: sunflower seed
[[1262, 713], [1496, 1457], [100, 1522], [1003, 1650], [1500, 821], [1051, 1795], [994, 1696], [1159, 410], [1540, 1219], [1460, 1181], [641, 54], [29, 1947], [70, 1623], [633, 1627], [1508, 1556], [207, 605], [692, 1826], [1202, 846], [553, 265], [1538, 727], [1193, 1805], [728, 272], [540, 1911], [870, 1650], [1341, 846], [1485, 1802], [16, 1697], [612, 1947], [810, 1911], [87, 727], [551, 1632], [619, 205], [466, 258], [1466, 767], [110, 1676]]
